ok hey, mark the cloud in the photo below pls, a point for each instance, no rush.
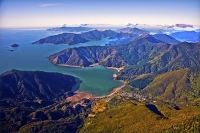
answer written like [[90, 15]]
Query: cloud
[[50, 4]]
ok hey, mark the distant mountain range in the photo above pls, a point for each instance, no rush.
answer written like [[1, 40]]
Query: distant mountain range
[[133, 31], [189, 36], [166, 38], [70, 29], [126, 33], [72, 38], [125, 38]]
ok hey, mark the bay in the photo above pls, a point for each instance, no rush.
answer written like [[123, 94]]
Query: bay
[[97, 80]]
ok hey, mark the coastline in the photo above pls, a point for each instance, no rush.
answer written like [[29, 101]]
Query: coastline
[[80, 96], [77, 86], [92, 65], [69, 65]]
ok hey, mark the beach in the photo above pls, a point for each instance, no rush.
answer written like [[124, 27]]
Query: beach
[[79, 96]]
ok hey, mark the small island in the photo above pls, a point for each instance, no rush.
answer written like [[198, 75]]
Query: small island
[[14, 45]]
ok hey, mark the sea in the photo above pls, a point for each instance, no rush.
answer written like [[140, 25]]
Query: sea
[[33, 57]]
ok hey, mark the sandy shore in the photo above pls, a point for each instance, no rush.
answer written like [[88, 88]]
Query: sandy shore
[[79, 96]]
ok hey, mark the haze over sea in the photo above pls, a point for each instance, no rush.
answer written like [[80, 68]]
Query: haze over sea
[[97, 80]]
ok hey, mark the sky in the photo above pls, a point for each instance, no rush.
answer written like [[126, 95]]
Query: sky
[[40, 13]]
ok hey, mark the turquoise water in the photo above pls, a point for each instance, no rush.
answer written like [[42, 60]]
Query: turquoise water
[[97, 80]]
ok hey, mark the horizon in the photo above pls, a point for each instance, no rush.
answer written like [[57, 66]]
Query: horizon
[[48, 13]]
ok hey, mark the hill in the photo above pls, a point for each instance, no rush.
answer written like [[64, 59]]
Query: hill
[[114, 56], [72, 38], [34, 101], [144, 55], [166, 38], [38, 85], [181, 87], [133, 31], [125, 38]]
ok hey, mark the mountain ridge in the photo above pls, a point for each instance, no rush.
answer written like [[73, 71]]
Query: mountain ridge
[[166, 38], [72, 38], [189, 36], [140, 56]]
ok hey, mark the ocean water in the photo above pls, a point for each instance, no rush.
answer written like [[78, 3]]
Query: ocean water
[[97, 80]]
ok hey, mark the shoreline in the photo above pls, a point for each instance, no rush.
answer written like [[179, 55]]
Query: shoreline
[[69, 65], [116, 89], [80, 96], [92, 65]]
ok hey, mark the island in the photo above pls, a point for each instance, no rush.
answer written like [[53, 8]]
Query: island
[[72, 38], [14, 45]]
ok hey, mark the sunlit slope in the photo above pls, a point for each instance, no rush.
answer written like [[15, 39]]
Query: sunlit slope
[[134, 117], [180, 86], [160, 60]]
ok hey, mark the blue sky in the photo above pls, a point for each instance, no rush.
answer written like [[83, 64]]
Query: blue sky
[[35, 13]]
